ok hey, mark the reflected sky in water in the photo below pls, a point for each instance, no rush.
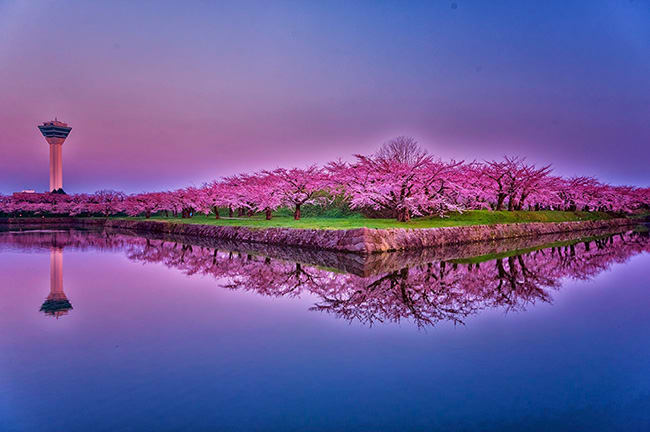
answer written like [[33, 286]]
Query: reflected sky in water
[[165, 335]]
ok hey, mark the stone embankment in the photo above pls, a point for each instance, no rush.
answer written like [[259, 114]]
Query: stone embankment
[[360, 240]]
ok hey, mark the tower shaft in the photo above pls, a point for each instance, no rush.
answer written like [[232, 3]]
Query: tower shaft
[[56, 167], [56, 274]]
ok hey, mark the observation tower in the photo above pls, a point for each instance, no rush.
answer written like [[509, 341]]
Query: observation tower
[[55, 133]]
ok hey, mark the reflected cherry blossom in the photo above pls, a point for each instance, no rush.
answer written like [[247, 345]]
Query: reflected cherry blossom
[[424, 291]]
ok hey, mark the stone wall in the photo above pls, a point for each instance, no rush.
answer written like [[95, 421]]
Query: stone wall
[[361, 240], [402, 239], [339, 240]]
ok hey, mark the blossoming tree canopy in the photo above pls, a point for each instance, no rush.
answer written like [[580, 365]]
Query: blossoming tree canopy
[[401, 179], [299, 186], [264, 192]]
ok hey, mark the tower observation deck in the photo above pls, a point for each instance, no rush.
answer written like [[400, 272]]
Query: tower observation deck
[[55, 133]]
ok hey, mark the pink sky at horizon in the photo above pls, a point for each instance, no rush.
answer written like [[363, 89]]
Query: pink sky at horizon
[[161, 97]]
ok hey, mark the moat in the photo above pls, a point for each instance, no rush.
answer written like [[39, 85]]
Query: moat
[[165, 333]]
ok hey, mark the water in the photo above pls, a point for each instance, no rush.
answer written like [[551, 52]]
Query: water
[[112, 332]]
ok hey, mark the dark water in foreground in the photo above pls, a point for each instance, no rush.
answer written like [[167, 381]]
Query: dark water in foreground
[[111, 332]]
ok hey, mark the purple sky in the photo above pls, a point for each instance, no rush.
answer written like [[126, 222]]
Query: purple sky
[[162, 95]]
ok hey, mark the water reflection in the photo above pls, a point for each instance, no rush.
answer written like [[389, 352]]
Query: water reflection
[[426, 287], [56, 304]]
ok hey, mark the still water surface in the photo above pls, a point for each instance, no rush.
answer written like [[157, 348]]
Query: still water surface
[[113, 332]]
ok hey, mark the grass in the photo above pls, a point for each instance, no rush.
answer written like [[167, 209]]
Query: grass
[[473, 217]]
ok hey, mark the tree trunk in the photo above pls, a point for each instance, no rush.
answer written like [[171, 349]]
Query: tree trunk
[[511, 203], [403, 215], [268, 213], [240, 212], [216, 212], [230, 212], [522, 200], [500, 200], [296, 214], [250, 212]]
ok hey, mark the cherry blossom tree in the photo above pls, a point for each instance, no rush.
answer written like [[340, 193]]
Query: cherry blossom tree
[[104, 202], [514, 179], [234, 194], [214, 196], [144, 203], [298, 186], [525, 179], [401, 177], [263, 192], [496, 172]]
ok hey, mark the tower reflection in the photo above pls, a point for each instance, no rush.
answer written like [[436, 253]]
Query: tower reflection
[[56, 304]]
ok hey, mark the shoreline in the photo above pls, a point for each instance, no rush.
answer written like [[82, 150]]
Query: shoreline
[[359, 240], [363, 265]]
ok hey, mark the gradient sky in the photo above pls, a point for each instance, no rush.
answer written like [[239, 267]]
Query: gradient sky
[[163, 94]]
